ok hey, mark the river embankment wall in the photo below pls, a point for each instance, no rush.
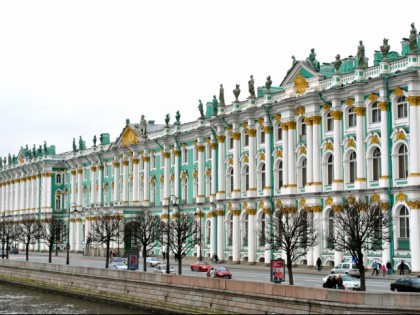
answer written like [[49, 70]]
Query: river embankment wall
[[199, 294]]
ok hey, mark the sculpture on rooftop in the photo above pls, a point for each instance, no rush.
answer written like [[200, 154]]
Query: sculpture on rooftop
[[385, 49], [311, 60], [101, 138], [293, 61], [200, 108], [1, 163], [214, 105], [74, 145], [236, 92], [177, 117], [142, 125], [413, 40], [337, 63], [361, 56], [34, 151], [268, 84], [9, 159], [251, 87], [4, 161], [81, 143], [221, 96], [167, 119], [45, 147], [94, 140], [39, 151]]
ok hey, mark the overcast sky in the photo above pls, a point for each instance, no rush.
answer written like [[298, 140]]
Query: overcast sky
[[80, 68]]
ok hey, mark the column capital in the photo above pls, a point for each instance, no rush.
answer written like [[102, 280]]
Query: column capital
[[382, 106], [337, 115], [360, 111], [413, 100]]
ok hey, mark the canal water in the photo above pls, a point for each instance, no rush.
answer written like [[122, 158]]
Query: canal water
[[19, 300]]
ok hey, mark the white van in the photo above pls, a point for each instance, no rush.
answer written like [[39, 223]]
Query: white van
[[347, 268]]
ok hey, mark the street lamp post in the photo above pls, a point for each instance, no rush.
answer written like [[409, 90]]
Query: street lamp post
[[168, 234], [199, 239], [68, 234]]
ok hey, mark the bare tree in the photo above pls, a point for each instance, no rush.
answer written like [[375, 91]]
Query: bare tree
[[106, 228], [359, 226], [49, 234], [183, 231], [291, 231], [30, 232], [144, 231], [9, 231]]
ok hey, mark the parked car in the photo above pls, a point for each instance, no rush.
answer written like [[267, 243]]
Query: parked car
[[349, 282], [346, 268], [162, 269], [406, 284], [200, 266], [118, 265], [219, 272], [153, 261], [119, 259], [14, 250]]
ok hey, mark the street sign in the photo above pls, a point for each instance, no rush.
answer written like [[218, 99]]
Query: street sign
[[133, 262], [277, 271]]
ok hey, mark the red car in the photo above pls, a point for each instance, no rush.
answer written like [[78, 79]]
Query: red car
[[219, 272], [200, 266]]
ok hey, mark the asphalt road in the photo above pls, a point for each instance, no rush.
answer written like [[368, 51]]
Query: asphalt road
[[256, 273]]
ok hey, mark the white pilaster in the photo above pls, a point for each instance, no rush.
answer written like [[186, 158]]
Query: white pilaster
[[338, 160], [236, 242], [415, 239], [222, 169], [213, 191], [384, 179], [221, 232], [135, 192], [200, 154], [125, 182], [268, 166], [146, 200], [285, 137], [319, 231], [236, 192], [116, 166], [251, 234], [291, 156], [93, 191], [100, 191], [316, 154], [166, 176], [79, 188], [414, 173], [252, 132], [360, 148], [213, 230], [309, 152]]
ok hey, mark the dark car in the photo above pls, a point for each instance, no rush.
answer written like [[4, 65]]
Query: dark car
[[406, 285], [219, 272], [200, 266]]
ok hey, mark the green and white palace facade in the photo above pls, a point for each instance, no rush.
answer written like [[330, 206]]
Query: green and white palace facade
[[311, 142]]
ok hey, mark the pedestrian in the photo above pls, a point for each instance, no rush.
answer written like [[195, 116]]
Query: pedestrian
[[402, 267], [329, 283], [383, 269], [319, 264], [334, 282], [375, 267], [389, 267], [163, 255], [340, 285]]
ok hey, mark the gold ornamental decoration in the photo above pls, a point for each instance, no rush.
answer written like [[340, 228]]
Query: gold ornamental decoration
[[300, 110], [400, 135], [413, 100], [277, 117], [329, 201], [300, 84], [374, 139], [129, 137], [375, 198], [401, 197], [278, 204], [349, 101], [329, 146], [398, 92], [373, 97]]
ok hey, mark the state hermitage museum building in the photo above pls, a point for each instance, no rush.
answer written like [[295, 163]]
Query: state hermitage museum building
[[328, 132]]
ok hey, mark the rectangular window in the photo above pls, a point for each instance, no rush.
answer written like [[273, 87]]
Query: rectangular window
[[402, 110], [246, 140]]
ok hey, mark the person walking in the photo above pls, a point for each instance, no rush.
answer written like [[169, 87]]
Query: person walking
[[375, 267], [383, 269], [389, 267], [402, 267], [319, 264], [340, 285]]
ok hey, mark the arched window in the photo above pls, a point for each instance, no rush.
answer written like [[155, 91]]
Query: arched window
[[245, 179], [184, 190], [351, 118], [278, 175], [329, 123], [185, 156], [402, 162], [375, 113], [302, 130], [58, 179], [303, 172], [376, 164], [329, 170], [58, 202], [245, 138], [152, 194], [208, 186], [404, 222], [261, 177], [352, 168], [402, 111], [229, 180]]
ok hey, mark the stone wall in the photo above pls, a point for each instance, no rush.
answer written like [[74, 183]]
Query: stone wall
[[199, 294]]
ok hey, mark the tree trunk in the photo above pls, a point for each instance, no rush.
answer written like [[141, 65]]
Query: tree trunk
[[362, 272], [107, 255], [144, 251], [27, 251], [180, 265], [50, 249], [289, 269]]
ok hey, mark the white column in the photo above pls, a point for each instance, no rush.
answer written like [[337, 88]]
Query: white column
[[200, 178], [415, 238], [251, 235], [100, 184], [316, 154], [93, 191], [268, 166], [236, 242], [318, 231], [291, 154], [16, 190], [414, 176], [267, 252], [360, 148], [213, 230], [384, 179], [146, 200], [252, 133], [136, 191], [285, 137], [166, 176], [222, 169], [73, 187], [78, 234], [309, 150], [236, 192], [213, 191], [79, 188], [33, 206], [125, 183], [177, 174], [49, 195], [338, 160], [116, 166], [220, 232]]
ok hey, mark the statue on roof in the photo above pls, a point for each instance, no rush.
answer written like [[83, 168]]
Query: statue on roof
[[4, 161], [413, 40], [74, 145], [94, 141], [251, 87], [337, 63], [9, 159], [34, 151], [39, 151], [167, 119], [361, 56], [177, 118], [293, 61], [1, 163], [385, 49], [143, 125], [214, 105], [14, 159], [127, 121], [268, 84], [200, 108], [101, 138], [45, 147], [236, 92], [221, 96], [27, 149], [81, 143], [311, 60]]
